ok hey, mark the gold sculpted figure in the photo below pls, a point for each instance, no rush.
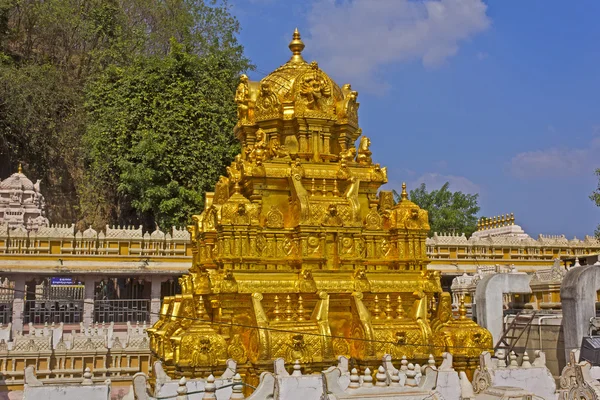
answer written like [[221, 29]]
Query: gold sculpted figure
[[276, 150], [315, 89], [348, 155], [267, 102], [259, 153], [242, 97], [348, 107], [297, 350], [332, 218], [364, 154]]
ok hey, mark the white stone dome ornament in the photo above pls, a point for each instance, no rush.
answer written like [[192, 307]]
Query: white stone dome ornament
[[21, 203]]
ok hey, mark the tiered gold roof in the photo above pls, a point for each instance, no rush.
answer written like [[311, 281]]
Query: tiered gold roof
[[298, 254]]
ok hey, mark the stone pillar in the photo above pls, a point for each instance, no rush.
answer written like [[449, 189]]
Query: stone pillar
[[88, 300], [18, 303], [578, 297], [488, 297], [155, 296]]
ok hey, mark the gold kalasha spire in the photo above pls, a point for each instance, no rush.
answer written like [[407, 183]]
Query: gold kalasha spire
[[296, 46], [404, 194], [20, 168]]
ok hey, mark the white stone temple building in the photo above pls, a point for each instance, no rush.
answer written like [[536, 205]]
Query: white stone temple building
[[21, 203]]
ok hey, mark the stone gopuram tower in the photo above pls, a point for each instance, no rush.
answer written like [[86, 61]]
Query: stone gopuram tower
[[297, 253]]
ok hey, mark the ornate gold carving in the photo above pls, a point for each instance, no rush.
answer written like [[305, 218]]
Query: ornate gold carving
[[274, 218], [332, 218], [306, 282], [386, 200], [314, 91], [379, 174], [268, 105], [236, 350], [347, 108], [373, 220]]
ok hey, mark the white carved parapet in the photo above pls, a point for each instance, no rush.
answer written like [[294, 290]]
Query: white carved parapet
[[576, 381], [533, 377], [406, 381], [34, 389], [221, 387]]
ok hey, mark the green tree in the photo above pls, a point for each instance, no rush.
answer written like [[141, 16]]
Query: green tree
[[51, 50], [159, 135], [448, 211], [595, 197]]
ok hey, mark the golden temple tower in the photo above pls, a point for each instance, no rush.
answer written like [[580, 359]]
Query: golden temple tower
[[297, 253]]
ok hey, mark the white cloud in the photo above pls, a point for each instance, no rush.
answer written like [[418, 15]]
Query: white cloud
[[352, 38], [434, 181], [555, 162], [482, 55]]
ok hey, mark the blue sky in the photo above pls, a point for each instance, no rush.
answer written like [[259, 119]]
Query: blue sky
[[500, 98]]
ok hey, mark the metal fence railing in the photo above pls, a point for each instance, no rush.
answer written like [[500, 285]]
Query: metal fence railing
[[42, 311], [120, 311]]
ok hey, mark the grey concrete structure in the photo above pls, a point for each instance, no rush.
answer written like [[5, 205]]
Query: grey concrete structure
[[488, 297], [578, 296]]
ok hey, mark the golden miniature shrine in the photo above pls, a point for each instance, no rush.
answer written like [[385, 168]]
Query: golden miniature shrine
[[297, 253]]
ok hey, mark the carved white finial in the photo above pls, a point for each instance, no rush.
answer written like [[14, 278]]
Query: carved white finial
[[431, 361], [367, 378], [237, 390], [513, 360], [297, 369], [395, 378], [182, 389], [404, 364], [210, 388], [354, 379], [525, 363], [501, 356], [410, 375], [87, 377], [381, 377]]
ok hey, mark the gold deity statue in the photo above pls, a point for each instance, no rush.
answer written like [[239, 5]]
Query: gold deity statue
[[298, 253]]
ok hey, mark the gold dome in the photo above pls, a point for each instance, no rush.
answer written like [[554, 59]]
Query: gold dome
[[297, 89], [294, 79]]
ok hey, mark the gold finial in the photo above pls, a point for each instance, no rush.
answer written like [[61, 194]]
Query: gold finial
[[202, 314], [336, 192], [289, 313], [399, 309], [388, 307], [276, 310], [300, 310], [404, 195], [462, 310], [296, 46], [376, 309], [20, 168]]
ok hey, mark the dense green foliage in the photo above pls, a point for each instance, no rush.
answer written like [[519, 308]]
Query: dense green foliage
[[58, 57], [595, 197], [448, 211], [159, 133]]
